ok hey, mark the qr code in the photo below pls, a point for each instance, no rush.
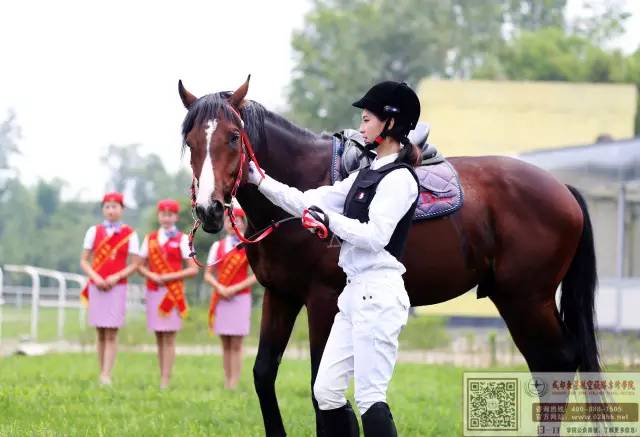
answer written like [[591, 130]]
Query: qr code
[[492, 404]]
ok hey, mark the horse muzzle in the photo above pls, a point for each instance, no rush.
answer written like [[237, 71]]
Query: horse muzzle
[[211, 217]]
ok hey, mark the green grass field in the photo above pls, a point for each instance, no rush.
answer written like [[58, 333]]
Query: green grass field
[[424, 332], [59, 395]]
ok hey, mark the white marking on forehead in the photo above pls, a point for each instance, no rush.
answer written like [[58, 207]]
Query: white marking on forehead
[[206, 182], [211, 128]]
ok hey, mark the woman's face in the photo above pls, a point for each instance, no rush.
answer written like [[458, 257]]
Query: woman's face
[[370, 126], [112, 211], [167, 219]]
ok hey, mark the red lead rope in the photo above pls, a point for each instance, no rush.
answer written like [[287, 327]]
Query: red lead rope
[[196, 224], [247, 149]]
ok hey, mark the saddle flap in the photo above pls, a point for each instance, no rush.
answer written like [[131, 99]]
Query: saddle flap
[[440, 191], [437, 181]]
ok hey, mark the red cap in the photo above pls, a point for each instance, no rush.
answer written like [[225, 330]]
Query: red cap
[[239, 212], [169, 205], [113, 197]]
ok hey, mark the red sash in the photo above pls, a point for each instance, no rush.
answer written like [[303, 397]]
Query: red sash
[[175, 289], [172, 253], [106, 250], [232, 269]]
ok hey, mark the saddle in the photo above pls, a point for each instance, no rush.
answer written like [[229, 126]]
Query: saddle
[[440, 190]]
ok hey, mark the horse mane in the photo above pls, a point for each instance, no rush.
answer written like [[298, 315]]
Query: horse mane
[[253, 115]]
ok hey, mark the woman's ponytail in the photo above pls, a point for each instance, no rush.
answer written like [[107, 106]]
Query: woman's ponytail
[[409, 154]]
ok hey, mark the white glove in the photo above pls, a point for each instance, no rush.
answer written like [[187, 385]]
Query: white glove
[[254, 177]]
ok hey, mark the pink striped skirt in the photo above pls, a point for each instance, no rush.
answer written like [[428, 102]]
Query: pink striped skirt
[[107, 309], [156, 321]]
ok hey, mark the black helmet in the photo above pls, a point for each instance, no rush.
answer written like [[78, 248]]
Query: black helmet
[[396, 100]]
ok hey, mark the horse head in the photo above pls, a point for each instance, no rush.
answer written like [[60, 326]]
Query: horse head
[[212, 131]]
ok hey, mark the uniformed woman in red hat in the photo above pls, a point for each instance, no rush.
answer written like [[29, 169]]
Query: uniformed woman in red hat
[[164, 253], [106, 250], [230, 308]]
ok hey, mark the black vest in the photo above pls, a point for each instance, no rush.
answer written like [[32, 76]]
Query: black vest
[[356, 204]]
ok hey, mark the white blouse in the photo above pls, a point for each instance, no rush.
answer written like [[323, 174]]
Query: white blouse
[[162, 238], [90, 237]]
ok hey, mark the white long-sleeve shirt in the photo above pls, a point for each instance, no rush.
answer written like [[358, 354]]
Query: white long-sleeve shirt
[[363, 243]]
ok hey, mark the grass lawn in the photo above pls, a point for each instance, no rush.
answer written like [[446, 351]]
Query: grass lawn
[[59, 395], [423, 332]]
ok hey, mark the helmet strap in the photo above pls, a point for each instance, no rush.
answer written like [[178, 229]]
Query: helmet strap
[[380, 138]]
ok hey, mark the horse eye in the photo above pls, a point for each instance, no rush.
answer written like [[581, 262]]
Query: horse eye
[[234, 137]]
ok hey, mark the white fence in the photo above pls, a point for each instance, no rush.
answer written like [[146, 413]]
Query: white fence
[[63, 296], [616, 303]]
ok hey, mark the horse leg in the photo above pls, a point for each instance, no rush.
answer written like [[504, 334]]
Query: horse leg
[[321, 310], [279, 314], [539, 333], [541, 336]]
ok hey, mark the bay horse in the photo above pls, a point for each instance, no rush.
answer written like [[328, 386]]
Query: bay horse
[[520, 234]]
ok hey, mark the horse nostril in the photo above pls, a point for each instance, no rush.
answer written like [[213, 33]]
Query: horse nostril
[[200, 212], [217, 209]]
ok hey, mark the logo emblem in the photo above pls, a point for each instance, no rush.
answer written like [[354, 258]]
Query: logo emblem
[[360, 195], [536, 387]]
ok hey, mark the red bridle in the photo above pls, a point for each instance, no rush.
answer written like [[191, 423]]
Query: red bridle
[[245, 149]]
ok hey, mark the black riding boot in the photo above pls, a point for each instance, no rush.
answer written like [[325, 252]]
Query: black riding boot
[[340, 422], [378, 421]]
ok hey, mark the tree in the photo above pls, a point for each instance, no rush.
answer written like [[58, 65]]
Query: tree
[[603, 21], [48, 199], [142, 176], [531, 15], [9, 136], [346, 46], [17, 223], [550, 54]]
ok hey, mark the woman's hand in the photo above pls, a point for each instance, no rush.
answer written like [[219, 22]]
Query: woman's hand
[[224, 292], [254, 177], [156, 278], [101, 283], [316, 221], [112, 280]]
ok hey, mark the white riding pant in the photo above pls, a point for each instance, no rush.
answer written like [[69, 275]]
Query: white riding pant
[[363, 343]]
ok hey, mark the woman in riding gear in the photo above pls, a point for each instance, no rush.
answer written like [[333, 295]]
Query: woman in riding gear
[[371, 212]]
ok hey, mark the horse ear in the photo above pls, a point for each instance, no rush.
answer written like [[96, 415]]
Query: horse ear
[[238, 95], [186, 97]]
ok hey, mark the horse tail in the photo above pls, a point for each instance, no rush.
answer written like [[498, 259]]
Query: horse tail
[[577, 302]]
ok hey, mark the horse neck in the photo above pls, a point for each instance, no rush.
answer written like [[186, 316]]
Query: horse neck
[[291, 155], [294, 156]]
